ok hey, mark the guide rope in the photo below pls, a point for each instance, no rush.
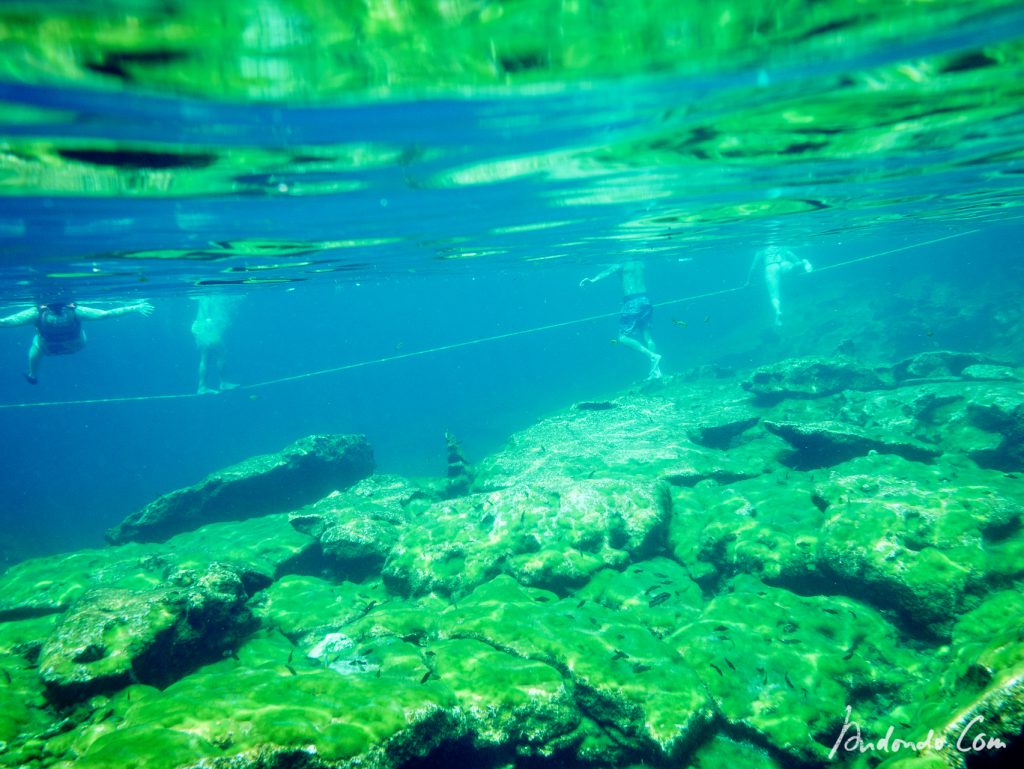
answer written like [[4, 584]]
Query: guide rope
[[466, 343]]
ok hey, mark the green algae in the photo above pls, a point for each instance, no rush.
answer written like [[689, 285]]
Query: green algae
[[773, 603], [298, 604], [785, 665], [558, 533]]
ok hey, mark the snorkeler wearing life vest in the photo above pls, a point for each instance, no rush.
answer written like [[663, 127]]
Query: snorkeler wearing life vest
[[59, 328]]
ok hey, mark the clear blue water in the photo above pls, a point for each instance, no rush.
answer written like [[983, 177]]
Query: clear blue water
[[474, 252]]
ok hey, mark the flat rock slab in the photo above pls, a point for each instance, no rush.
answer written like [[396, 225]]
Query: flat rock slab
[[940, 364], [272, 483], [554, 534]]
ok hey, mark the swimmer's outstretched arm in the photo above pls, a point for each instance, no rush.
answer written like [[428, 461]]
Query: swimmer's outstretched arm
[[601, 275], [91, 313], [23, 318]]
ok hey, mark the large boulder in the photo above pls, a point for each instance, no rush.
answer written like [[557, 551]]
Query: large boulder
[[272, 483]]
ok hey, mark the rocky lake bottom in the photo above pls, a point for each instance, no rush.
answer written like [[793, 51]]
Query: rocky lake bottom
[[776, 568]]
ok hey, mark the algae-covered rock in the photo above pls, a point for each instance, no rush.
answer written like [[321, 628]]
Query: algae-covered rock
[[257, 551], [358, 527], [912, 537], [767, 526], [554, 534], [506, 700], [980, 691], [937, 364], [644, 436], [110, 637], [657, 594], [299, 605], [241, 713], [22, 704], [273, 483], [810, 378], [784, 666], [50, 584], [1000, 412]]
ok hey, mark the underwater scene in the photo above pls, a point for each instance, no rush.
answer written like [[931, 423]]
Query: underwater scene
[[511, 384]]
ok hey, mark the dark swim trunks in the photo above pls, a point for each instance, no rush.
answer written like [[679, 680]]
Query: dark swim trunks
[[636, 315]]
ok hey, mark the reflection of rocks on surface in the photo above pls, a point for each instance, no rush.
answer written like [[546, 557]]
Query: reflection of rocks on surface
[[693, 575]]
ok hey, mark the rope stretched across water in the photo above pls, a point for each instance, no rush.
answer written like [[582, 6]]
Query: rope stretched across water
[[466, 343]]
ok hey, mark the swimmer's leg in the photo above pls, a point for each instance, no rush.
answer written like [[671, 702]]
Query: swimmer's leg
[[640, 347], [35, 357]]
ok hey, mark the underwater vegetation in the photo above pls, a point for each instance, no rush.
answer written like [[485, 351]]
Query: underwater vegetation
[[707, 570]]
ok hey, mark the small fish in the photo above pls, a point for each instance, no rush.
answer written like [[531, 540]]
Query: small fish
[[594, 622], [733, 667], [7, 676], [430, 653], [707, 318], [541, 599], [620, 655], [581, 604], [291, 670], [233, 654], [613, 341], [291, 655], [717, 669], [830, 611], [426, 676], [641, 668], [652, 588], [254, 397], [788, 682], [848, 655], [660, 575], [852, 613], [369, 607], [720, 628], [378, 672], [659, 599], [367, 650], [680, 323]]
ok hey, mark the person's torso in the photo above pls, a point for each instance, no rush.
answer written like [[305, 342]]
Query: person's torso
[[58, 324]]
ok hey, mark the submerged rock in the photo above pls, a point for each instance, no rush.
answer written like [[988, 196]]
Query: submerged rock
[[272, 483], [357, 528], [1001, 413], [919, 540], [810, 378], [110, 638], [940, 364], [782, 666], [552, 534]]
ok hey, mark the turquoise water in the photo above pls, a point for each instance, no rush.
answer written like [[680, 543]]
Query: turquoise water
[[396, 204], [430, 248]]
